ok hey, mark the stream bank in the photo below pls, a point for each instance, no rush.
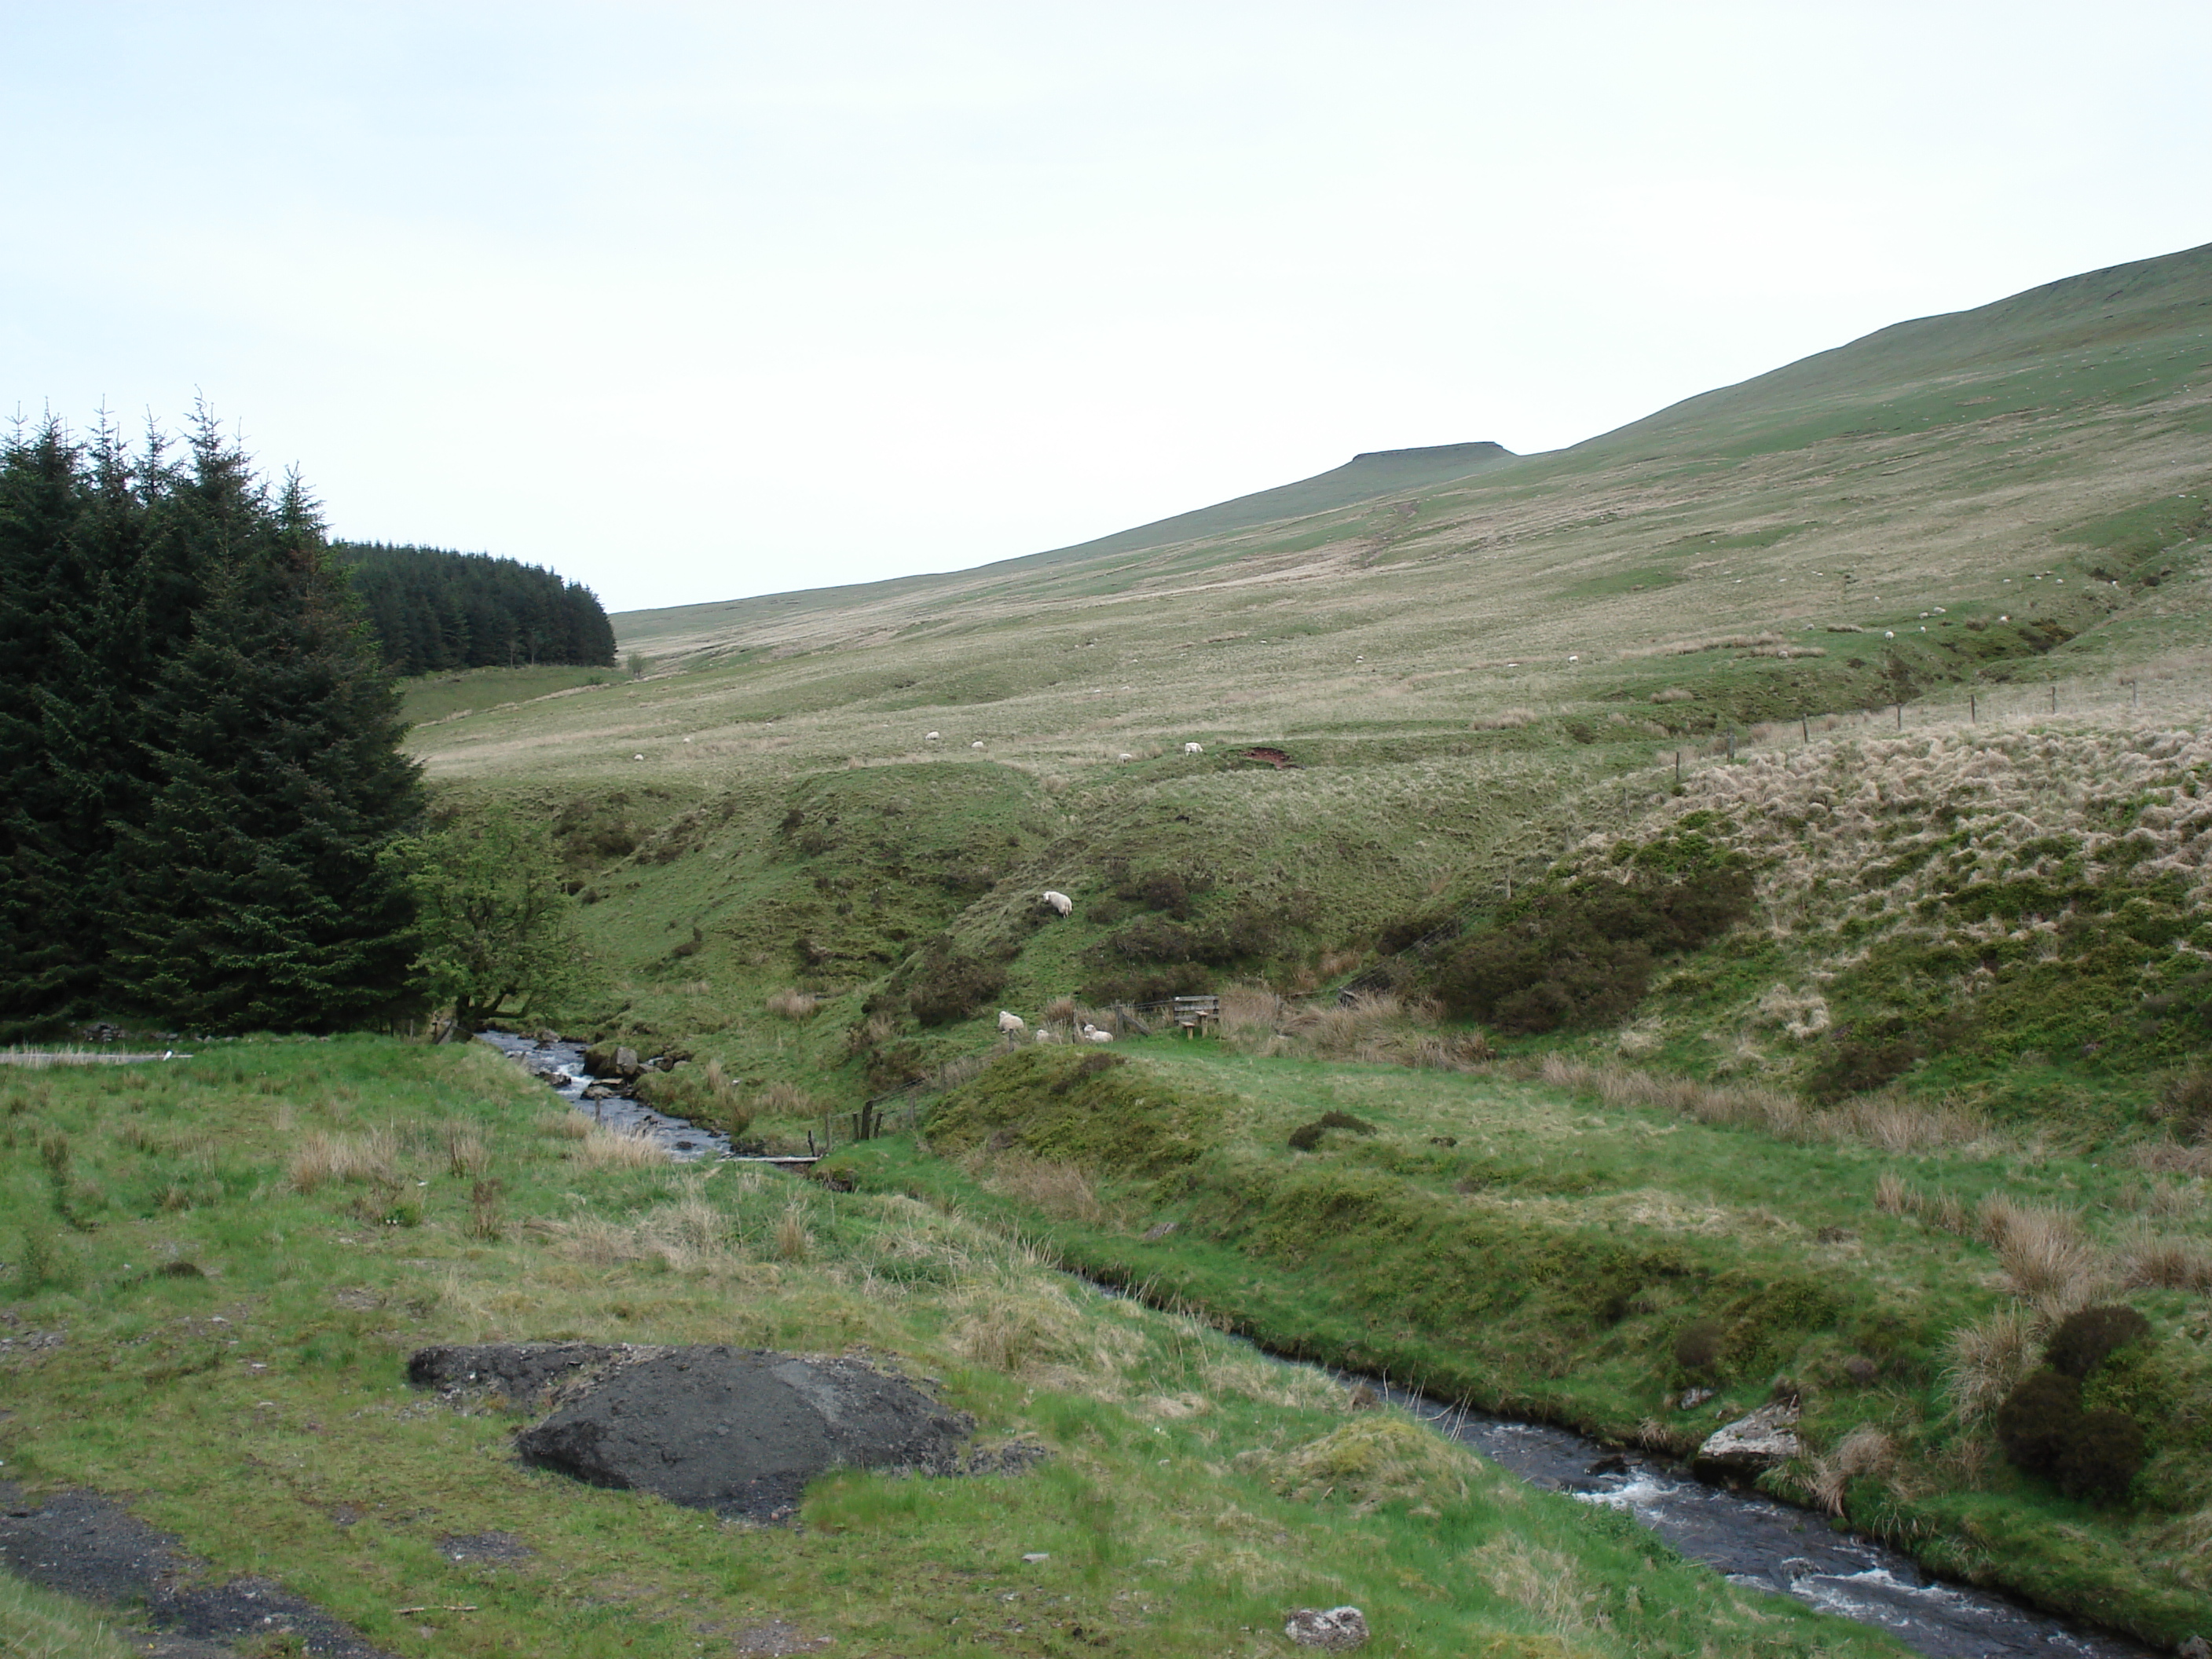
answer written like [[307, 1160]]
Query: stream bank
[[1750, 1538]]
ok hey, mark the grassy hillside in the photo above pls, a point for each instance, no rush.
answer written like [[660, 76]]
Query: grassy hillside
[[1824, 754], [223, 1263], [1584, 1245]]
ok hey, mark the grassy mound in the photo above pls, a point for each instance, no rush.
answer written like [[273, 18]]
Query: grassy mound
[[1098, 1112]]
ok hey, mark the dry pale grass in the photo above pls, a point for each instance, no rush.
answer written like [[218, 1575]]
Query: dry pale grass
[[689, 1234], [2169, 1158], [786, 1100], [1007, 1317], [2147, 1259], [371, 1157], [793, 1241], [2047, 1262], [794, 1004], [606, 1149], [1893, 1123], [1674, 693], [1060, 1190], [1247, 1009], [1505, 719], [563, 1124], [467, 1157], [1987, 1360], [1894, 1195], [1825, 1477]]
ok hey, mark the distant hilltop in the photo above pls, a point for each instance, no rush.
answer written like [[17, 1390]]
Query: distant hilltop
[[1434, 455]]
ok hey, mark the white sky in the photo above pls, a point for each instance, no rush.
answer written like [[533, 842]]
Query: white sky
[[691, 302]]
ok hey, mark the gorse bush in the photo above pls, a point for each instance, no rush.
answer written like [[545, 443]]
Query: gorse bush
[[1308, 1136], [2042, 1426], [1579, 953], [2086, 1340]]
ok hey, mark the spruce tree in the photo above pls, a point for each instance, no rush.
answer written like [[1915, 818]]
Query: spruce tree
[[250, 892]]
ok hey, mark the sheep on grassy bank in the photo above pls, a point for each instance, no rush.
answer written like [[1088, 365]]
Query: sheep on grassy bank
[[1061, 902], [1092, 1034], [1011, 1024]]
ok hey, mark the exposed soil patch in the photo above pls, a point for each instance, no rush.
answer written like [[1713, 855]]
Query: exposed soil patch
[[90, 1546], [739, 1431]]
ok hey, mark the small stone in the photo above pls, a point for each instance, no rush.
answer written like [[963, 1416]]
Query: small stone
[[2196, 1648], [1338, 1630], [1693, 1398], [1751, 1443]]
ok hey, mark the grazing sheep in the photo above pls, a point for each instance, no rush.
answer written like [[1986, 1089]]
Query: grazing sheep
[[1092, 1034], [1060, 901], [1128, 758], [1043, 1035], [1194, 749], [1011, 1024], [978, 744], [930, 738]]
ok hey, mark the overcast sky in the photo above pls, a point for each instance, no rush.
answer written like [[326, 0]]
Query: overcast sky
[[691, 302]]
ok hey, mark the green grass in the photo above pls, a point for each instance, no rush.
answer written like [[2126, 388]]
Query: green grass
[[1537, 1253], [431, 698], [258, 1409]]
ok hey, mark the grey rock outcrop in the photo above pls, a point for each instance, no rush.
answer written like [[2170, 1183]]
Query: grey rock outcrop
[[1742, 1449]]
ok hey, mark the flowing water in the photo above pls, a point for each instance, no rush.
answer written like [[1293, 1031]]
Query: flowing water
[[1750, 1539]]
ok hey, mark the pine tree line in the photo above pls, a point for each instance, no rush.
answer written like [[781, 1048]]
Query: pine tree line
[[199, 766], [434, 609]]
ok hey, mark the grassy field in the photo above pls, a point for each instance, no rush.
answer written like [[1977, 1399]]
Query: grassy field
[[239, 1251]]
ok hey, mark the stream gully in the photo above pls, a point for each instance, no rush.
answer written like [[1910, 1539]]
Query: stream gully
[[1750, 1539]]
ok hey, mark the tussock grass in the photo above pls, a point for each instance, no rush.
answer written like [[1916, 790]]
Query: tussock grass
[[1986, 1359], [1052, 1187], [1379, 1457], [794, 1004], [371, 1158], [2047, 1261], [608, 1149]]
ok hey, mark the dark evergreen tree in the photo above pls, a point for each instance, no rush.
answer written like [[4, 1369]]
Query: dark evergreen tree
[[435, 610], [249, 891]]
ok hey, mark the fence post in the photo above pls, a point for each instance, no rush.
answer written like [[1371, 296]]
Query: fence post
[[2054, 699], [1731, 740], [1678, 772], [1974, 712], [1900, 717], [1805, 728]]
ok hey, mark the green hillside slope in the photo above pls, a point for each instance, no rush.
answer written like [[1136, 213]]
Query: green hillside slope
[[1817, 761]]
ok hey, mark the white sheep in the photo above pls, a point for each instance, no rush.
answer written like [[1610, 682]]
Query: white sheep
[[1128, 758], [1011, 1024], [1060, 901], [1194, 749], [978, 744], [1043, 1035], [1092, 1034], [930, 738]]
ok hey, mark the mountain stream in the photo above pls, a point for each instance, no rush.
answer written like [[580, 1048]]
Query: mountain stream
[[1750, 1539]]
